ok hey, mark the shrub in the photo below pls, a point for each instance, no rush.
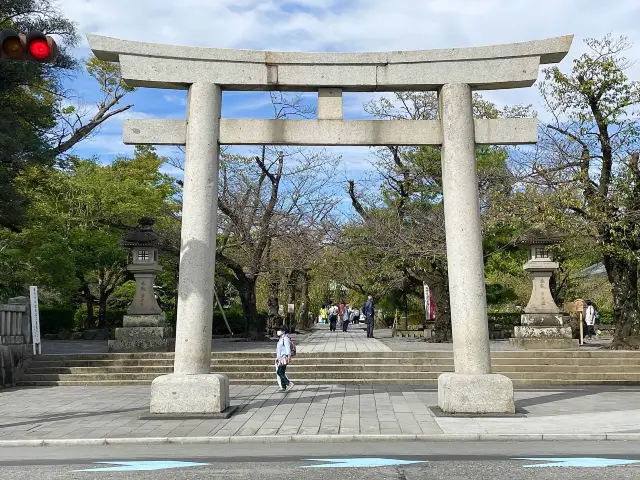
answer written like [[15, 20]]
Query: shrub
[[55, 320], [113, 318]]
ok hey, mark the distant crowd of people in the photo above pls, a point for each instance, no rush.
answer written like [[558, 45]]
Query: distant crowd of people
[[348, 315]]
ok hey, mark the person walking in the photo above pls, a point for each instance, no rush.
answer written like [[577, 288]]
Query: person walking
[[283, 358], [333, 317], [369, 315], [590, 319], [346, 314], [323, 313], [355, 315]]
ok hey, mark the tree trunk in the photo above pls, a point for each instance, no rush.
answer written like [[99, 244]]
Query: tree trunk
[[91, 319], [442, 326], [304, 322], [102, 311], [292, 284], [252, 328], [623, 276]]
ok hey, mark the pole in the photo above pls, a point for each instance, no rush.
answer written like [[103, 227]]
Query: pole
[[581, 329]]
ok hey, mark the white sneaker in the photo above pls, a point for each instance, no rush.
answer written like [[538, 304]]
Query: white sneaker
[[290, 386]]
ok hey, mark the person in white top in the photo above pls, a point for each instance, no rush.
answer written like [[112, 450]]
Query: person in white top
[[333, 317], [590, 319]]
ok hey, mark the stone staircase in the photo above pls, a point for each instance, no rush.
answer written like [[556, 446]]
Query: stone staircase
[[525, 368]]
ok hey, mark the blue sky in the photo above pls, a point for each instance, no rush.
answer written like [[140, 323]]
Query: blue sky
[[329, 25]]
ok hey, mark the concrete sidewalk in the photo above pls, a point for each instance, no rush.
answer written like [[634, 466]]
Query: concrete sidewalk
[[86, 415]]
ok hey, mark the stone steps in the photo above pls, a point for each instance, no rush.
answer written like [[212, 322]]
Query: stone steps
[[221, 356], [525, 368], [333, 368]]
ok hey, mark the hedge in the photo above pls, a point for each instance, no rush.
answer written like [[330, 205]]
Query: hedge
[[55, 320]]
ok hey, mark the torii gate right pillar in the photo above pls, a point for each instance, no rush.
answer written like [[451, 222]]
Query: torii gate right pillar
[[472, 388]]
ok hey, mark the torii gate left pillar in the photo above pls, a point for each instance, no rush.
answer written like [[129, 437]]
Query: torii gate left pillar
[[454, 73]]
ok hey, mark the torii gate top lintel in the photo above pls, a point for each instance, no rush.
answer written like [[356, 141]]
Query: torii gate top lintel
[[483, 68]]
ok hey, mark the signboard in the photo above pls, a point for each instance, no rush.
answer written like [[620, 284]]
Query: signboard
[[290, 307], [35, 319], [427, 301]]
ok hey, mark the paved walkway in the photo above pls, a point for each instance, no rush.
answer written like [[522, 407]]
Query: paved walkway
[[354, 340], [112, 412]]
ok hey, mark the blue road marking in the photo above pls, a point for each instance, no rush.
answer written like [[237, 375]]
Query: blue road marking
[[142, 466], [358, 462], [584, 462]]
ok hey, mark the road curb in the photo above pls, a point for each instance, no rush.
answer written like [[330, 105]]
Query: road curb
[[248, 439]]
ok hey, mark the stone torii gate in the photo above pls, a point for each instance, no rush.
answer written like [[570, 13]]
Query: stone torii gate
[[453, 73]]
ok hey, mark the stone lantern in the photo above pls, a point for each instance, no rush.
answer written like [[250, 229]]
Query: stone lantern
[[144, 326], [542, 323]]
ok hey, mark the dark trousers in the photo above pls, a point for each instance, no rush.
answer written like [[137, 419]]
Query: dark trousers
[[345, 325], [369, 327], [282, 376], [333, 321]]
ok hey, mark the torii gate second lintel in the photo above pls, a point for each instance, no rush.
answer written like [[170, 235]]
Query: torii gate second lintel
[[454, 73]]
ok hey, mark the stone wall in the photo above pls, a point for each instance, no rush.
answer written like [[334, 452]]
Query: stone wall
[[13, 359]]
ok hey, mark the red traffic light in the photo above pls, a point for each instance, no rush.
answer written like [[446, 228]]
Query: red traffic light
[[35, 46], [39, 49]]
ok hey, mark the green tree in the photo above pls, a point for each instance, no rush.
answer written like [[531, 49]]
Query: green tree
[[399, 235], [38, 121], [585, 175], [76, 217]]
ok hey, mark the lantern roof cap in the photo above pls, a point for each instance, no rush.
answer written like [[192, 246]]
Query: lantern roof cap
[[143, 235], [540, 235]]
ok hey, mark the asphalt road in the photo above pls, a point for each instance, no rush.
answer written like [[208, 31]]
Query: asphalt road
[[375, 461]]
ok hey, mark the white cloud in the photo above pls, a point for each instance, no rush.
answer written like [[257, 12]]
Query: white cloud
[[176, 99], [354, 25]]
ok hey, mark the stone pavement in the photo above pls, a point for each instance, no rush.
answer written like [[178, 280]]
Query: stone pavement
[[112, 412], [354, 340]]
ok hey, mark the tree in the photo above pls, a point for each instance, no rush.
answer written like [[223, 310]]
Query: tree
[[400, 232], [38, 122], [585, 174], [76, 216]]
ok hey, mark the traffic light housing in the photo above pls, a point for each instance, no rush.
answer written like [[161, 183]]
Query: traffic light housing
[[33, 47]]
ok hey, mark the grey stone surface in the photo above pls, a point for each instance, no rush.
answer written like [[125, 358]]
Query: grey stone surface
[[144, 320], [170, 66], [541, 300], [132, 333], [142, 345], [463, 233], [144, 302], [475, 393], [198, 247], [542, 331], [77, 413], [543, 320], [190, 394], [489, 73], [13, 359], [542, 343], [551, 50], [154, 132], [329, 104], [505, 131]]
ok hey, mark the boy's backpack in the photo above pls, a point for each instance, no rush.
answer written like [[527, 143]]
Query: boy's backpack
[[292, 346]]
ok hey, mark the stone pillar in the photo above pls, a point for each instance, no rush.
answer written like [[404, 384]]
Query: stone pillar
[[191, 389], [472, 388]]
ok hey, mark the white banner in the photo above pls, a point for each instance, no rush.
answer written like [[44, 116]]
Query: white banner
[[35, 319], [427, 301], [291, 307]]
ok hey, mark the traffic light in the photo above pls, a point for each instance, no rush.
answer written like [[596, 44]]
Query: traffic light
[[33, 47]]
